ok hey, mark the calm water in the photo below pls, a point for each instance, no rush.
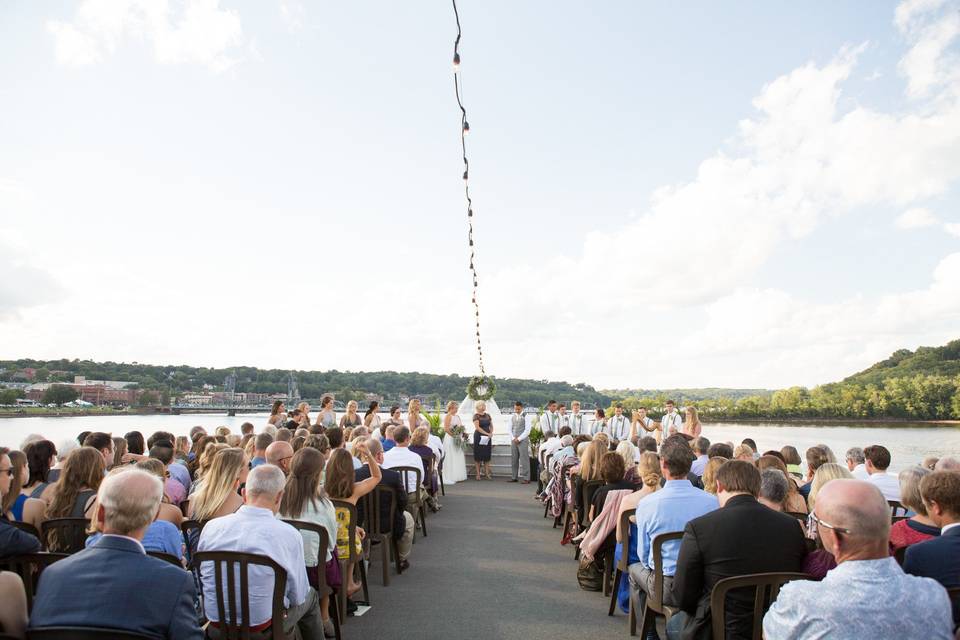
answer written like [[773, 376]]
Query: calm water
[[908, 443]]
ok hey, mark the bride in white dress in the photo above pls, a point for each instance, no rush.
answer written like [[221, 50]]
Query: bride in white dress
[[454, 462]]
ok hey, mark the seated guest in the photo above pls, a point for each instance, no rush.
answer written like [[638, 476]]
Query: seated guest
[[403, 523], [12, 540], [877, 461], [647, 443], [16, 503], [63, 450], [856, 463], [168, 511], [649, 474], [631, 456], [743, 452], [773, 489], [13, 605], [750, 442], [709, 479], [795, 503], [114, 583], [388, 435], [255, 529], [135, 443], [401, 456], [791, 457], [103, 443], [161, 535], [304, 499], [816, 457], [666, 511], [419, 445], [260, 444], [279, 454], [173, 489], [867, 595], [612, 474], [921, 526], [741, 537], [720, 450], [550, 444], [700, 447], [947, 463], [41, 459], [216, 494], [939, 558], [75, 491], [340, 484], [205, 460]]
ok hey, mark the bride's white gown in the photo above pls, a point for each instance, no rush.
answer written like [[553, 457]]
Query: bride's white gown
[[454, 462]]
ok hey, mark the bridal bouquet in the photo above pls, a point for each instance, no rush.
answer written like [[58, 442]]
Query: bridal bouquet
[[459, 436]]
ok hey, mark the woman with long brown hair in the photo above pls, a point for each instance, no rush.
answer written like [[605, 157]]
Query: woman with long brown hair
[[278, 414], [326, 417], [691, 423], [340, 485], [216, 493], [74, 493], [17, 505], [41, 457], [304, 499], [371, 419]]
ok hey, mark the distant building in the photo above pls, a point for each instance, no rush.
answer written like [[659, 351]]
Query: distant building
[[197, 399]]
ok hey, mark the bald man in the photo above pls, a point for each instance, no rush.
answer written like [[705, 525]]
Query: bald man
[[279, 454], [867, 595]]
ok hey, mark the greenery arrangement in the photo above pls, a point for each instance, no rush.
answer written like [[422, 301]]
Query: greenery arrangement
[[436, 423], [481, 388]]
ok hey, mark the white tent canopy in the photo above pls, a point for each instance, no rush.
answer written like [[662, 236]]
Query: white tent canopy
[[468, 408]]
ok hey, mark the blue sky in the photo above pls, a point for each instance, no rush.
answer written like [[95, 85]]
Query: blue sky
[[698, 195]]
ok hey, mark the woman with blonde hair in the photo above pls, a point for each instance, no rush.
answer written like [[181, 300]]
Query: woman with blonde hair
[[650, 476], [304, 409], [743, 452], [415, 419], [627, 451], [482, 430], [340, 484], [181, 449], [691, 423], [710, 474], [827, 472], [77, 487], [794, 502], [821, 561], [454, 462], [207, 456], [351, 418], [119, 450], [216, 494], [588, 470]]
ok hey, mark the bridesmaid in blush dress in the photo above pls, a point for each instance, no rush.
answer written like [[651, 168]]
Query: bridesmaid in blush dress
[[482, 427]]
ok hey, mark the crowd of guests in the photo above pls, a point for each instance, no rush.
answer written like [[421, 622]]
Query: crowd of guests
[[879, 551], [238, 489]]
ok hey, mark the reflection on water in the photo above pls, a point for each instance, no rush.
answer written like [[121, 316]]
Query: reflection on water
[[909, 443]]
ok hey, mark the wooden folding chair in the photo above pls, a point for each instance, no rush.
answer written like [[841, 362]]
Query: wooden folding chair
[[443, 491], [323, 546], [420, 509], [653, 604], [352, 557], [897, 509], [624, 559], [379, 531], [230, 575], [766, 587], [64, 535], [166, 557], [29, 566], [26, 527]]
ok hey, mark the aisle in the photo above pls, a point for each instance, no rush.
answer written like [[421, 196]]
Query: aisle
[[492, 567]]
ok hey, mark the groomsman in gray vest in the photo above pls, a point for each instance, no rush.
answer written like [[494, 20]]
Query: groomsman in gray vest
[[520, 445]]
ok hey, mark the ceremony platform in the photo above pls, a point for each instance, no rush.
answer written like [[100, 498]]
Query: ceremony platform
[[492, 567]]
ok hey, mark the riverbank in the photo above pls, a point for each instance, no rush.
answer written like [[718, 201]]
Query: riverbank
[[43, 412]]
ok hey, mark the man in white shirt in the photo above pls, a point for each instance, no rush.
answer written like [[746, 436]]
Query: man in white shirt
[[550, 420], [577, 426], [254, 528], [519, 445], [670, 420], [700, 447], [562, 412], [401, 456], [877, 460], [550, 445], [856, 463], [619, 425]]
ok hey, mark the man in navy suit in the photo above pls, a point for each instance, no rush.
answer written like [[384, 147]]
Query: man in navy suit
[[403, 523], [939, 558], [114, 583]]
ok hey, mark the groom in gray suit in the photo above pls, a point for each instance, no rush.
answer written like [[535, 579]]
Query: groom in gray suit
[[520, 444]]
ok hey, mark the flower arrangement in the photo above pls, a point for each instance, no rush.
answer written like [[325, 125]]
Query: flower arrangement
[[459, 436], [481, 388]]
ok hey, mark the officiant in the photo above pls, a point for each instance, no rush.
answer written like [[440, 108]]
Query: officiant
[[519, 445]]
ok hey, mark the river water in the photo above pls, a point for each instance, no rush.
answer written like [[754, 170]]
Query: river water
[[908, 443]]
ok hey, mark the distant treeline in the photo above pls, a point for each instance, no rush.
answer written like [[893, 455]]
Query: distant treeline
[[346, 385]]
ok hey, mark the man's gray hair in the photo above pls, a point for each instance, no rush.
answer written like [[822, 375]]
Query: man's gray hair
[[65, 447], [130, 500], [33, 437], [855, 454], [265, 480], [773, 485], [566, 441], [947, 463], [374, 446], [701, 445]]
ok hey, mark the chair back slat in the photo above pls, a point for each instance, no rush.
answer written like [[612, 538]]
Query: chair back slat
[[191, 537], [404, 474], [29, 566], [166, 557], [64, 535], [767, 588], [324, 545], [625, 544], [897, 509], [236, 566], [27, 528], [656, 598]]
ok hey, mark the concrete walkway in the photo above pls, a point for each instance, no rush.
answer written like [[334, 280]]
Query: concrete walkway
[[492, 567]]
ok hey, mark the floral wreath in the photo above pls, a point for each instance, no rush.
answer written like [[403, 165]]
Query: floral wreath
[[481, 388]]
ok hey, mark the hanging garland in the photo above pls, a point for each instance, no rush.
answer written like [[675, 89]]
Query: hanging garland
[[481, 388], [464, 130]]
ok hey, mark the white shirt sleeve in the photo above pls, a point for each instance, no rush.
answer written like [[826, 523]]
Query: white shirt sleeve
[[526, 430]]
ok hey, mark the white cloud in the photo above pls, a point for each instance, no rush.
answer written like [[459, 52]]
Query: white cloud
[[953, 228], [915, 218], [188, 31], [293, 14], [929, 63]]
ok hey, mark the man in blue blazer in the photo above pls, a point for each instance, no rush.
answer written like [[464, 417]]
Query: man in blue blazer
[[114, 583], [939, 558]]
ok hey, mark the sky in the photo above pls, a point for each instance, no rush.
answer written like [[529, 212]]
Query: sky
[[749, 194]]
